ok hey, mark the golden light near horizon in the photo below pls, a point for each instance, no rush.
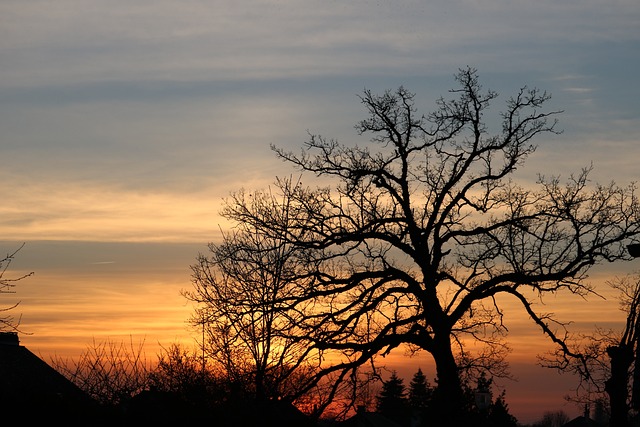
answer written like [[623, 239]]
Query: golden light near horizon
[[118, 291], [76, 212], [135, 294]]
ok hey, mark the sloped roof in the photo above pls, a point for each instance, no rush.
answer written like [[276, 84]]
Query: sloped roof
[[31, 387], [266, 413], [23, 372], [368, 419], [582, 422]]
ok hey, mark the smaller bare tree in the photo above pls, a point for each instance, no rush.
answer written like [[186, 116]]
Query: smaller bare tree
[[553, 419], [607, 362], [241, 288], [7, 284], [179, 371], [108, 371]]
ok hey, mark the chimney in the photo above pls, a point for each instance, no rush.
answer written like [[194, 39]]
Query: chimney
[[9, 338]]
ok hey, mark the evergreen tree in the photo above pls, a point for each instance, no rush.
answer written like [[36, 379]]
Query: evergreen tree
[[420, 395], [419, 391], [392, 400], [499, 415], [486, 411]]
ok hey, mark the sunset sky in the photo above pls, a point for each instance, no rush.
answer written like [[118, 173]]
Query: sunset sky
[[124, 124]]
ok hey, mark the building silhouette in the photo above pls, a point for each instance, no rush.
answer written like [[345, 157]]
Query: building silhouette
[[33, 391]]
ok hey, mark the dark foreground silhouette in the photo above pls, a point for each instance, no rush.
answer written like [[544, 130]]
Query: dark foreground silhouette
[[33, 393]]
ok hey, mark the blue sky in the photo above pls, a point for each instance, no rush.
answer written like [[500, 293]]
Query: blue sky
[[127, 106], [125, 123]]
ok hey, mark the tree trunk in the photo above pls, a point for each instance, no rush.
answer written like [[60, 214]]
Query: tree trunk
[[635, 387], [616, 386], [449, 401]]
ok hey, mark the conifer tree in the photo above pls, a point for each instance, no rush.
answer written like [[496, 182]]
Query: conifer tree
[[392, 400], [419, 391], [499, 415], [420, 396]]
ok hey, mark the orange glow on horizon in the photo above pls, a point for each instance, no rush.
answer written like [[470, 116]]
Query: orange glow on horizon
[[87, 291]]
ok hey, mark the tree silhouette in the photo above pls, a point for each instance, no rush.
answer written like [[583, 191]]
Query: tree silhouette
[[7, 321], [410, 239], [182, 372], [392, 399], [623, 384], [499, 415], [607, 362], [241, 287], [420, 397], [553, 419], [420, 391], [109, 372]]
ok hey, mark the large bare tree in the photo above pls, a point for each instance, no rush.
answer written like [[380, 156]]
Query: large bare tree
[[411, 238]]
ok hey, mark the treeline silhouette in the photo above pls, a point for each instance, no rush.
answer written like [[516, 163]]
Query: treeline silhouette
[[126, 389], [182, 388]]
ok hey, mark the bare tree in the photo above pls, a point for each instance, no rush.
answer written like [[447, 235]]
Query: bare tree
[[7, 320], [180, 371], [109, 372], [553, 419], [607, 362], [239, 289], [423, 228], [625, 354]]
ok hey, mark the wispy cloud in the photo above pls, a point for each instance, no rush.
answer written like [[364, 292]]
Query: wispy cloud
[[580, 90], [69, 41]]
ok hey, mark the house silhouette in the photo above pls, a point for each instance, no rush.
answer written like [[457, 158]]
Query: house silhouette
[[582, 421], [33, 391], [364, 418]]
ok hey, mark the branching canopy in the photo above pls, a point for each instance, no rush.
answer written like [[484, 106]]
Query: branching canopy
[[422, 228]]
